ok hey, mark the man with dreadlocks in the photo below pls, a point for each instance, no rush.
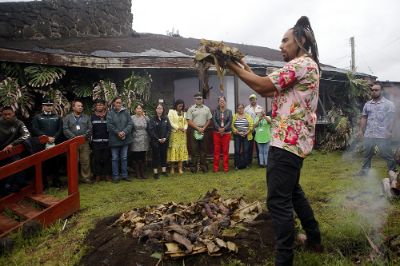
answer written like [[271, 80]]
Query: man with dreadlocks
[[295, 90]]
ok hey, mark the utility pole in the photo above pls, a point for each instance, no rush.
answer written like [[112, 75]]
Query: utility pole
[[353, 56]]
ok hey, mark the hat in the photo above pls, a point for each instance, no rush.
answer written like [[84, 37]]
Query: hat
[[252, 96], [198, 95], [47, 101]]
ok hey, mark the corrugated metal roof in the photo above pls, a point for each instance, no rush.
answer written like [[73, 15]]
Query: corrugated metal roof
[[136, 51]]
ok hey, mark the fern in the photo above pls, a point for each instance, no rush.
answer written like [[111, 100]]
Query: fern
[[41, 76]]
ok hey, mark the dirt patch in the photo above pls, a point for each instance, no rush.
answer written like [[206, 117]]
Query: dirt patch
[[108, 245]]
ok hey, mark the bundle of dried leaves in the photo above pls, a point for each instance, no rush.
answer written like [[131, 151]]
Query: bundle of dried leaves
[[179, 230], [214, 53]]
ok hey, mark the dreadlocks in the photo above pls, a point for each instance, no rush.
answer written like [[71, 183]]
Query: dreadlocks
[[303, 29]]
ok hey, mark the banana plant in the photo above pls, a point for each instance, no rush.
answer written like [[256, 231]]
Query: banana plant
[[137, 90]]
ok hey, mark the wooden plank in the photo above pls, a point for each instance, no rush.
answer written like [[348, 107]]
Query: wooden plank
[[6, 223], [19, 148], [61, 210], [24, 210], [15, 197], [44, 200]]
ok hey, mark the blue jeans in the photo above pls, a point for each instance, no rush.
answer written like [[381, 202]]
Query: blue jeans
[[385, 151], [263, 153], [119, 154], [242, 146]]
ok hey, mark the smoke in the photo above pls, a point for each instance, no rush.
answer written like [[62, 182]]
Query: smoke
[[364, 199]]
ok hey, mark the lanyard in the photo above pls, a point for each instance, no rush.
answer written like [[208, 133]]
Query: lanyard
[[77, 119]]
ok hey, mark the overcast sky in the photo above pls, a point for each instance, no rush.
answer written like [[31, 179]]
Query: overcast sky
[[374, 24]]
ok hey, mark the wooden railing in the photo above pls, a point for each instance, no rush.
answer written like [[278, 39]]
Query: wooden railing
[[36, 160], [51, 208]]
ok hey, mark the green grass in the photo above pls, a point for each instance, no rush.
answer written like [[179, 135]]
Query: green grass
[[345, 207]]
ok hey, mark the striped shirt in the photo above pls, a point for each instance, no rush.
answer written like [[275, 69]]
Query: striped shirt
[[241, 124]]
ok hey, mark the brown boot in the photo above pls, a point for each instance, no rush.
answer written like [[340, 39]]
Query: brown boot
[[142, 170], [180, 167]]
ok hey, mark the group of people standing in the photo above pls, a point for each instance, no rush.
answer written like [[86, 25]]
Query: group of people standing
[[249, 125], [113, 135], [117, 134]]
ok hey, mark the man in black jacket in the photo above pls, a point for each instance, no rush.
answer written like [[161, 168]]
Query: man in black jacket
[[101, 160], [12, 133], [49, 124]]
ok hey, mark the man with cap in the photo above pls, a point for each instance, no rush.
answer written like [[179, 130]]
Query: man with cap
[[198, 117], [49, 124], [254, 110]]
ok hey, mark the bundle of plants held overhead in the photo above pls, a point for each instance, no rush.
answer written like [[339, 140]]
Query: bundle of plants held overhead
[[217, 54]]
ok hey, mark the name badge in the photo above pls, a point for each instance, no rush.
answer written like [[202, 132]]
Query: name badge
[[78, 127], [261, 129]]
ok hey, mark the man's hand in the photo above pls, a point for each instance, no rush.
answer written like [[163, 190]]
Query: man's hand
[[8, 148], [51, 139], [200, 129], [121, 135], [221, 130]]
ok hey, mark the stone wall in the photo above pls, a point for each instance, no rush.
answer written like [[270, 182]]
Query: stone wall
[[54, 19]]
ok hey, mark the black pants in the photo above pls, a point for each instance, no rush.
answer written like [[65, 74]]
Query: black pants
[[139, 156], [15, 180], [252, 144], [159, 152], [101, 162], [198, 150], [284, 196], [51, 169]]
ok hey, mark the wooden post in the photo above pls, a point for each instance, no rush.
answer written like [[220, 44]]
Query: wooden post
[[72, 168], [38, 178]]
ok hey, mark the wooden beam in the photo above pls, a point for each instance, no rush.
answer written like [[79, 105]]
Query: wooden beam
[[87, 61]]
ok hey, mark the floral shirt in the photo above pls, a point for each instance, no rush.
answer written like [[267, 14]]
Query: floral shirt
[[294, 106]]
